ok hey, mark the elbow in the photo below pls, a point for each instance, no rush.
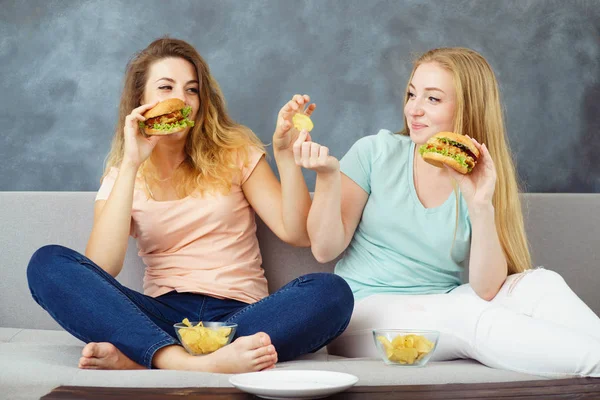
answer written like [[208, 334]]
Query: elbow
[[487, 294], [325, 251], [297, 239], [322, 256], [112, 270]]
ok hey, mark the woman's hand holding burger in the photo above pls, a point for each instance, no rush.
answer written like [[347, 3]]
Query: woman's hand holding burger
[[468, 163], [478, 186], [137, 146]]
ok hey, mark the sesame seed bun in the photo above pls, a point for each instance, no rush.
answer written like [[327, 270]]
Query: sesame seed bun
[[462, 139], [439, 160], [164, 107], [451, 149]]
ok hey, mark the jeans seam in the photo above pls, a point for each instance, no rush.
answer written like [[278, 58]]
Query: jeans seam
[[315, 344], [37, 300], [149, 354], [138, 305], [200, 312], [131, 303], [250, 306]]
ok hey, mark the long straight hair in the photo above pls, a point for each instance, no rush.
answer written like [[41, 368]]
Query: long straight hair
[[479, 115], [216, 145]]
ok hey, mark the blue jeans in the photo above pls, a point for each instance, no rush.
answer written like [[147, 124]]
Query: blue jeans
[[86, 301]]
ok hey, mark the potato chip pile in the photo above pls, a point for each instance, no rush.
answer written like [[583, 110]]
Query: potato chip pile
[[203, 340], [302, 121], [406, 349]]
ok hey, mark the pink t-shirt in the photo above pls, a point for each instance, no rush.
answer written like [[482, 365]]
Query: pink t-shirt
[[198, 244]]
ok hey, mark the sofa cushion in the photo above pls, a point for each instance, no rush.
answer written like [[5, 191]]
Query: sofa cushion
[[33, 362]]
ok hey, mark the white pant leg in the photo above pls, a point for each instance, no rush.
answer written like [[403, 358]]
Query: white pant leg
[[441, 312], [473, 328], [509, 340], [544, 294], [537, 325]]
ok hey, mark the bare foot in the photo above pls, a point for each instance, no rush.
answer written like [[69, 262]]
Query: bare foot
[[245, 354], [105, 356]]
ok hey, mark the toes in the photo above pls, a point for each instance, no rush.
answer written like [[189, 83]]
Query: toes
[[89, 350], [265, 339], [88, 362], [266, 362], [103, 350], [255, 341], [263, 351], [268, 359]]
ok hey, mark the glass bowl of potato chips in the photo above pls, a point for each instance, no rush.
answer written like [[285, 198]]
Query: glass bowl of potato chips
[[411, 348], [199, 337]]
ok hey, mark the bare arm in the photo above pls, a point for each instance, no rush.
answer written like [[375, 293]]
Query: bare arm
[[295, 199], [107, 244], [283, 207], [487, 264], [337, 207]]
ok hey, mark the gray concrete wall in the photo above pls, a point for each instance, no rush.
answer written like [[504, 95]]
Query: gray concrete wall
[[62, 64]]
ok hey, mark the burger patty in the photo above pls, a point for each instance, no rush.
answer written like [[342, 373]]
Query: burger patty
[[165, 119], [460, 146], [454, 150]]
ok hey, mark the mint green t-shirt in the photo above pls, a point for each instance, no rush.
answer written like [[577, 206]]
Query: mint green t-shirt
[[399, 245]]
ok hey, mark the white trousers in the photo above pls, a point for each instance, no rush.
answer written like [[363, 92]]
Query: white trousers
[[534, 325]]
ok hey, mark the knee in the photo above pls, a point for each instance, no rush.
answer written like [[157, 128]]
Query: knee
[[337, 293], [540, 280], [548, 279], [45, 262], [342, 292]]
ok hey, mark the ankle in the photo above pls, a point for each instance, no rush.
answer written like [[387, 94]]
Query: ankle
[[172, 357]]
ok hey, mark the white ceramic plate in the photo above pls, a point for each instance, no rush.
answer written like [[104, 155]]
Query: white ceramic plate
[[293, 384]]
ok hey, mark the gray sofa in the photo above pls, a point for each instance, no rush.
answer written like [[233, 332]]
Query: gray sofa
[[36, 355]]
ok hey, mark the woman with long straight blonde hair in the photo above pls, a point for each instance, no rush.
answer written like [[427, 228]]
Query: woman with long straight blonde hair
[[190, 198], [410, 229]]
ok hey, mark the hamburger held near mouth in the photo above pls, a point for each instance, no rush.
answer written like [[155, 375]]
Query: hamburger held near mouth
[[167, 117], [452, 149]]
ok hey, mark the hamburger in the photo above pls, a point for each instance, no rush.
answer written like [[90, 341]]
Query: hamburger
[[454, 150], [168, 116]]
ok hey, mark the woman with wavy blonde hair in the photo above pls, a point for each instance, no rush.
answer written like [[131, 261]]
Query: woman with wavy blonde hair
[[190, 198], [409, 230]]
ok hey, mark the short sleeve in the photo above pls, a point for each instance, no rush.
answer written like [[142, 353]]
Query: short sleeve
[[107, 184], [254, 156], [357, 162]]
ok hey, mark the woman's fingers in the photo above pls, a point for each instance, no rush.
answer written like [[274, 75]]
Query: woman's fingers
[[489, 162], [143, 108], [298, 104], [323, 154], [297, 147], [314, 154], [310, 155]]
